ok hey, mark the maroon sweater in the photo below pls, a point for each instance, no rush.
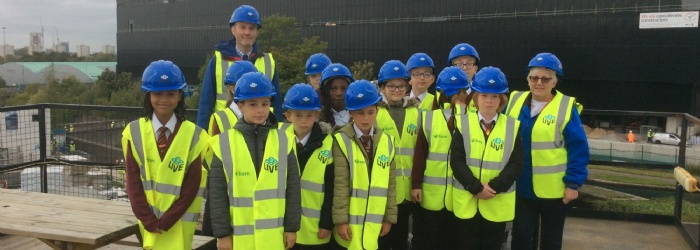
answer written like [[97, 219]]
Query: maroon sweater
[[137, 198]]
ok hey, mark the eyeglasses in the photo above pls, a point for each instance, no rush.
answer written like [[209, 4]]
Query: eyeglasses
[[535, 79], [394, 87], [464, 65], [421, 75]]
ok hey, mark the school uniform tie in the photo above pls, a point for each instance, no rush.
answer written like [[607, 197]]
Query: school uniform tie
[[367, 144], [487, 126], [162, 139], [244, 57], [300, 146]]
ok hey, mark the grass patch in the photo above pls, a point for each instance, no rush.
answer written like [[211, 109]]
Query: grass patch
[[602, 192], [628, 179], [638, 171], [661, 206]]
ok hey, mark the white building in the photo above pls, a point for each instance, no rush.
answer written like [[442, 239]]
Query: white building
[[83, 50], [35, 43], [62, 47], [7, 50], [109, 49], [19, 136]]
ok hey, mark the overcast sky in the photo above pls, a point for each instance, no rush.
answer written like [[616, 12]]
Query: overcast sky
[[89, 22]]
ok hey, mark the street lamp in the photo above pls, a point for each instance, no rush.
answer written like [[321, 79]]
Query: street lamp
[[4, 46]]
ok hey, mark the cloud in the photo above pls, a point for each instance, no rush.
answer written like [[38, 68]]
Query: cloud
[[90, 22]]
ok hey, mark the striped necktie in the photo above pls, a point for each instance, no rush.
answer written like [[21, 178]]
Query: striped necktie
[[162, 138], [487, 126]]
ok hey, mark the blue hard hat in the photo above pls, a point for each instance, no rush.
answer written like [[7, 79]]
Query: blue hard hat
[[253, 85], [361, 94], [463, 49], [246, 14], [316, 63], [391, 70], [302, 96], [237, 69], [490, 80], [451, 80], [419, 60], [162, 76], [547, 60], [335, 70]]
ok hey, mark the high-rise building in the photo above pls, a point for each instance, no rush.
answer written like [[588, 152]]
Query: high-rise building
[[61, 47], [83, 50], [35, 44], [109, 49], [7, 50]]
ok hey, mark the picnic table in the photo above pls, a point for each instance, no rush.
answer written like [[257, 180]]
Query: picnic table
[[65, 222]]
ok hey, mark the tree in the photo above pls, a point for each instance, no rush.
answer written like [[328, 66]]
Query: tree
[[2, 82], [363, 70]]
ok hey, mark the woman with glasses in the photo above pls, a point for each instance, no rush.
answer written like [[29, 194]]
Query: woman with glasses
[[399, 117], [556, 155]]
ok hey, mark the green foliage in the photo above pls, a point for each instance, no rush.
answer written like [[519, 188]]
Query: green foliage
[[2, 82], [192, 102], [363, 70]]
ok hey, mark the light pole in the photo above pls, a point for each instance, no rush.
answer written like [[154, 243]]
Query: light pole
[[4, 46]]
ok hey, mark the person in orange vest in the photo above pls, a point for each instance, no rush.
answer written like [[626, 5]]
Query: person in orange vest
[[630, 137]]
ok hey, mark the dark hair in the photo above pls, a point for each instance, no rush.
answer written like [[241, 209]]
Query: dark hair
[[179, 110], [326, 113]]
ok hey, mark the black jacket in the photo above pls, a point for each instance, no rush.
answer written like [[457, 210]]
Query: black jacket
[[303, 154]]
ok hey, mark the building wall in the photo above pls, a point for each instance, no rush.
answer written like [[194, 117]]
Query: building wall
[[62, 47], [7, 50], [19, 142], [83, 50], [603, 50], [108, 49]]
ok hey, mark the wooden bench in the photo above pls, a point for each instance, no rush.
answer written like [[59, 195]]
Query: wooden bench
[[198, 242]]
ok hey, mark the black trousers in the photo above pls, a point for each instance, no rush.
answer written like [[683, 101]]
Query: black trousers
[[550, 213], [434, 229], [479, 233], [313, 247], [397, 239]]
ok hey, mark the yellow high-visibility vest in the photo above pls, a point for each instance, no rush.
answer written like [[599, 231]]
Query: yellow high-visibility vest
[[265, 64], [162, 179], [405, 147], [486, 158]]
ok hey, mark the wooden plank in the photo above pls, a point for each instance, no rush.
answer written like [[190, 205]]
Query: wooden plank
[[53, 200], [43, 196], [129, 241], [52, 244], [54, 224], [65, 215], [49, 233]]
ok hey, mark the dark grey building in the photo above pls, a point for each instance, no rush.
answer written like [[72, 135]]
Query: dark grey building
[[609, 63]]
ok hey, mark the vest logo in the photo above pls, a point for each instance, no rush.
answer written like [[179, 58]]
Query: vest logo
[[358, 161], [439, 136], [176, 164], [497, 144], [270, 164], [477, 141], [239, 173], [324, 156], [149, 160], [549, 119], [383, 161], [412, 129]]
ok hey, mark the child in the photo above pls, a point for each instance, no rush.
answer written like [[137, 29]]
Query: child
[[486, 158], [314, 66], [464, 56], [364, 196], [254, 191], [313, 148], [431, 176], [163, 168], [334, 81], [223, 120], [422, 71], [399, 117]]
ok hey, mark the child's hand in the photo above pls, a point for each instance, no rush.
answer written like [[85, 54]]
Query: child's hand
[[386, 227], [290, 238], [486, 193], [417, 195], [344, 231], [224, 243], [323, 233]]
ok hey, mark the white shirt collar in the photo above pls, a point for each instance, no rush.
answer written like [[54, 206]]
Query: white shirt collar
[[156, 124], [421, 97], [341, 117], [240, 53], [236, 110], [494, 119], [359, 133], [305, 139]]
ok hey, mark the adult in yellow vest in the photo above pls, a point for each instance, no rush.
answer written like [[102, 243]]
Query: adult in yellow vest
[[71, 147], [422, 71], [255, 192], [245, 24], [313, 148], [556, 154], [486, 158], [431, 177], [164, 177], [399, 117], [364, 196]]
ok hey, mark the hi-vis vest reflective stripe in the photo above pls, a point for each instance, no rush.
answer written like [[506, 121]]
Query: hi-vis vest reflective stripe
[[405, 148], [427, 103], [162, 180], [368, 197], [224, 119], [547, 147], [264, 64], [257, 202], [486, 160], [437, 178], [312, 186]]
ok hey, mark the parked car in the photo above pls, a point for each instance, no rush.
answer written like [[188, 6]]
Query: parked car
[[667, 138]]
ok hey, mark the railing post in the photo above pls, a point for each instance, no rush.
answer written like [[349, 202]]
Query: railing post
[[681, 145], [42, 148], [678, 207]]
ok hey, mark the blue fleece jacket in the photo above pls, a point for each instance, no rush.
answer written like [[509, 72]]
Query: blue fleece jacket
[[576, 150], [207, 100]]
